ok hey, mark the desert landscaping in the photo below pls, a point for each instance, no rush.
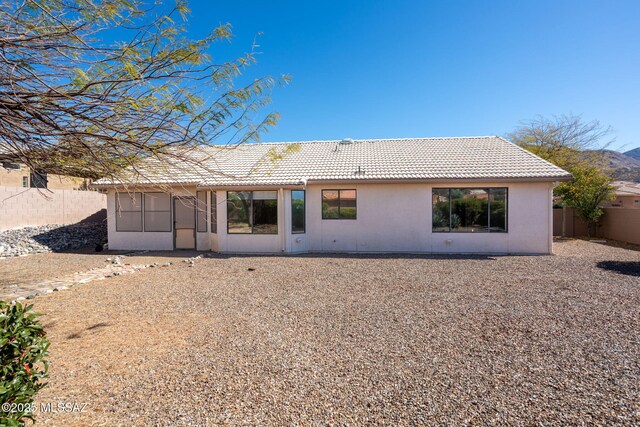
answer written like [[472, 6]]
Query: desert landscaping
[[350, 339]]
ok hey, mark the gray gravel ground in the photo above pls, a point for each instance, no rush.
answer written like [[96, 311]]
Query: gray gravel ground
[[54, 237], [316, 340]]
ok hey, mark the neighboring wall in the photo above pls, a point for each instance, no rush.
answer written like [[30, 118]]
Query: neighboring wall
[[617, 224], [13, 177], [18, 177], [628, 202], [21, 207], [621, 224], [62, 182], [573, 224]]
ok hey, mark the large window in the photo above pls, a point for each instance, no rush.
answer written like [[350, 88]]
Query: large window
[[297, 211], [128, 211], [157, 212], [339, 204], [201, 211], [471, 210], [214, 212], [252, 212]]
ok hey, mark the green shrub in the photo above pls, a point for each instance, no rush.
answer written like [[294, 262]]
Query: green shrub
[[347, 213], [23, 349]]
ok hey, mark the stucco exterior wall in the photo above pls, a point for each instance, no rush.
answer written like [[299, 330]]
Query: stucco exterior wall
[[398, 218], [627, 202], [248, 243], [13, 177], [390, 218]]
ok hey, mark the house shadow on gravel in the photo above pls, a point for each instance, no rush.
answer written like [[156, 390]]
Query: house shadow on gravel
[[363, 255], [629, 268], [90, 232]]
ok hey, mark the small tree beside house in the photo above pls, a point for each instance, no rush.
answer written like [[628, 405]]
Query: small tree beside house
[[576, 146], [587, 192]]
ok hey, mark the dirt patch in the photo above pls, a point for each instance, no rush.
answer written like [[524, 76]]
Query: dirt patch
[[34, 267]]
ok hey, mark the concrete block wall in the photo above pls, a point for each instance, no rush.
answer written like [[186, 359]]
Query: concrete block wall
[[622, 224], [22, 207]]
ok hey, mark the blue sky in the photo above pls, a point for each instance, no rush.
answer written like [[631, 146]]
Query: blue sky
[[390, 69]]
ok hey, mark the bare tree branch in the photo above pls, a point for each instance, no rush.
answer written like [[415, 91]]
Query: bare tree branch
[[74, 103]]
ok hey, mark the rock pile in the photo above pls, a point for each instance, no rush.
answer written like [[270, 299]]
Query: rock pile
[[51, 238]]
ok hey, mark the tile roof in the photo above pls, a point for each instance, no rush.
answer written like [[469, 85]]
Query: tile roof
[[626, 188], [411, 159]]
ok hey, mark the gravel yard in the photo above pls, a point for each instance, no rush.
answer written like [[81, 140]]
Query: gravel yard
[[549, 340], [34, 267]]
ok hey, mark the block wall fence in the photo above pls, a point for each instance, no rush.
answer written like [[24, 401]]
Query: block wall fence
[[22, 207], [620, 224]]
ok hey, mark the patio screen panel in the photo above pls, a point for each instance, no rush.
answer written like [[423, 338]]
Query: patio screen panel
[[128, 211], [214, 212], [157, 212], [201, 211]]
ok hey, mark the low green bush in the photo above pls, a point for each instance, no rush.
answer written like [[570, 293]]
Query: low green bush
[[23, 366]]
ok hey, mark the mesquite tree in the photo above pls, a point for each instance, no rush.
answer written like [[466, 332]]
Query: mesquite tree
[[575, 145], [90, 87], [566, 141]]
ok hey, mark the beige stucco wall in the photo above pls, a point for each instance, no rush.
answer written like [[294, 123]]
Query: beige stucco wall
[[21, 207], [63, 182], [15, 178], [627, 202], [398, 218], [390, 218]]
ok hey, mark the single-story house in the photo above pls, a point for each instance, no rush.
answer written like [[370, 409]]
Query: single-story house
[[627, 195], [425, 195]]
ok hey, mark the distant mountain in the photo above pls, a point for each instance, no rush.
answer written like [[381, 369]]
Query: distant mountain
[[623, 166], [635, 153]]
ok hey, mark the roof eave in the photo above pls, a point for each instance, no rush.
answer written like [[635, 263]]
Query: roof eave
[[435, 180], [300, 184]]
